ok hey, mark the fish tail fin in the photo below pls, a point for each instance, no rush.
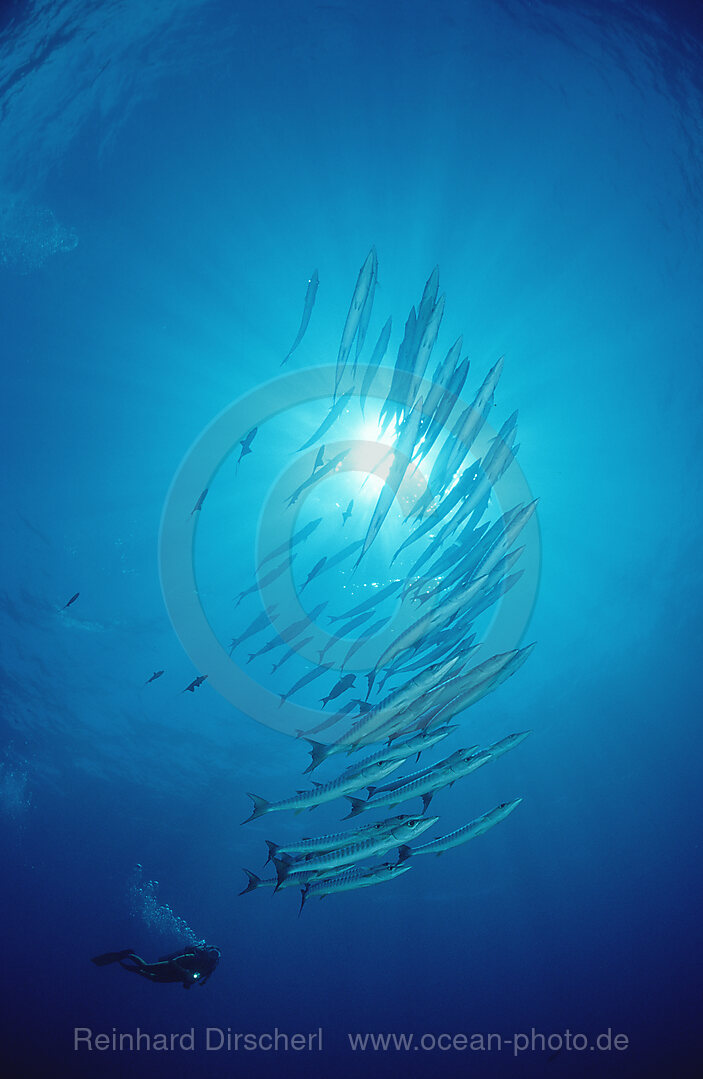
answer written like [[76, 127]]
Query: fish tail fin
[[404, 852], [303, 896], [372, 790], [252, 883], [261, 806], [252, 655], [273, 850], [282, 700], [357, 806], [319, 752], [282, 864]]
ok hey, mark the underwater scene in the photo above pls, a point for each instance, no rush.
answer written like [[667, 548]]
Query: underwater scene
[[351, 602]]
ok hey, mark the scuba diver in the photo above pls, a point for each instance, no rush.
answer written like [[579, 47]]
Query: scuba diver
[[190, 966]]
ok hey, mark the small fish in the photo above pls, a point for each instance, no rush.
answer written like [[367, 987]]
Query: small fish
[[260, 622], [391, 409], [366, 310], [367, 275], [334, 413], [296, 628], [310, 295], [155, 675], [297, 537], [372, 366], [246, 444], [71, 600], [370, 632], [199, 504], [195, 683], [305, 681], [314, 572], [378, 596], [263, 582], [347, 513], [327, 723], [353, 624], [325, 470], [401, 459], [341, 687], [290, 653]]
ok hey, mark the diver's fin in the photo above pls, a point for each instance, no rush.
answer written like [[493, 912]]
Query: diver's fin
[[111, 957]]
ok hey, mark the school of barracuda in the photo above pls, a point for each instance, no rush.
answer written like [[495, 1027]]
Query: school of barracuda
[[429, 663]]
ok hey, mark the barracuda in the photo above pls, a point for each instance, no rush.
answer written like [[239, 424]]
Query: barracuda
[[462, 835], [357, 852], [351, 879], [324, 792], [317, 844], [445, 773]]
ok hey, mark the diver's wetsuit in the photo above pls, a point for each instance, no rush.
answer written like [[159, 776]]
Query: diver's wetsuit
[[191, 966]]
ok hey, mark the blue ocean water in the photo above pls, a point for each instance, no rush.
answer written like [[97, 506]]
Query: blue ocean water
[[170, 175]]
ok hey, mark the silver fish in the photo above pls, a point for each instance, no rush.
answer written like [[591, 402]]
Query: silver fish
[[374, 843], [426, 786], [310, 295], [324, 792], [463, 835], [351, 879], [361, 291], [372, 366]]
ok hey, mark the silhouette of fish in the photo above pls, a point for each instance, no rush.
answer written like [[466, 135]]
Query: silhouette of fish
[[310, 295], [195, 683]]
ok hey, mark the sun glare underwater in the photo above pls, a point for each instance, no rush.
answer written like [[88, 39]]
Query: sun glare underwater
[[351, 606]]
